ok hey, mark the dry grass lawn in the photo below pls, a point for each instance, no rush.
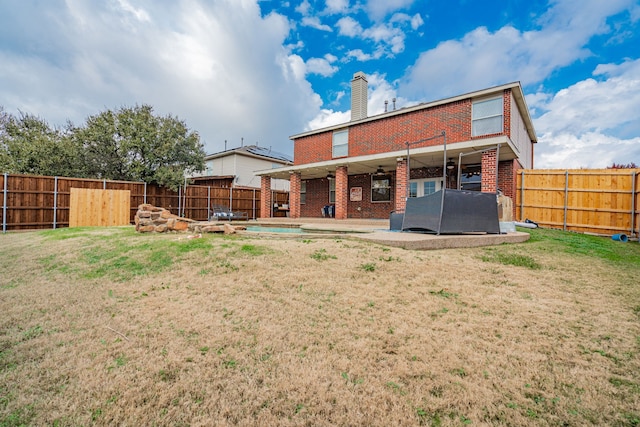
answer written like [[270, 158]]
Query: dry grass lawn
[[107, 327]]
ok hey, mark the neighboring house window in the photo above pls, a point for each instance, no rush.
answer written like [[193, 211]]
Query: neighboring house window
[[424, 187], [341, 143], [303, 192], [486, 117], [380, 188], [332, 191], [471, 178]]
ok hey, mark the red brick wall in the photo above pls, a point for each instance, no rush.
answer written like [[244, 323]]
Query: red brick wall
[[265, 197], [489, 171], [317, 198], [314, 148], [401, 185], [366, 208], [507, 176], [342, 193], [392, 133], [294, 195], [506, 111]]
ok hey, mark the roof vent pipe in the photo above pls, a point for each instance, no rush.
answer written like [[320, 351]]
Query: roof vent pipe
[[394, 104], [385, 105], [359, 87]]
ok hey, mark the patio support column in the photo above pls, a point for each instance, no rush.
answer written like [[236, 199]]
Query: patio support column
[[265, 197], [294, 195], [489, 168], [342, 192], [401, 185]]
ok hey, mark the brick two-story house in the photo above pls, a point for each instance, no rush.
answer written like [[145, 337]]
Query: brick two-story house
[[367, 168]]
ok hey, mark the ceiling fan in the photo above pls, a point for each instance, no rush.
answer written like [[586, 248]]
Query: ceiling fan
[[380, 171]]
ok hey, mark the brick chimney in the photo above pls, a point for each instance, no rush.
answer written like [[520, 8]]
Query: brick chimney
[[359, 89]]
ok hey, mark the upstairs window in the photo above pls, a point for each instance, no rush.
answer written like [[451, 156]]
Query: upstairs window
[[486, 117], [340, 143]]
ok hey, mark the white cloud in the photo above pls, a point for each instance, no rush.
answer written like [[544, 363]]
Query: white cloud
[[592, 123], [314, 22], [416, 21], [359, 55], [379, 91], [388, 35], [327, 118], [139, 13], [387, 39], [337, 6], [482, 58], [349, 27], [303, 8], [378, 9], [220, 66], [590, 150], [321, 66]]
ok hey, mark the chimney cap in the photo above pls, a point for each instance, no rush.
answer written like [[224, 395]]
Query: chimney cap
[[360, 74]]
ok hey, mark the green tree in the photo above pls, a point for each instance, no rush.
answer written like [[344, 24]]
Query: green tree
[[29, 145], [133, 144]]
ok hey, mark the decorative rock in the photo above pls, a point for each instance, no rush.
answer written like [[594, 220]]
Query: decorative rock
[[151, 219]]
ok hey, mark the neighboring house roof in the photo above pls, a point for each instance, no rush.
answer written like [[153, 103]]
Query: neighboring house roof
[[254, 151]]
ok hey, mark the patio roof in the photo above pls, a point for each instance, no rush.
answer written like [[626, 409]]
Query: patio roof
[[420, 157]]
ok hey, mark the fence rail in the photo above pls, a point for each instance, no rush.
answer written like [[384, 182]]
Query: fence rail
[[42, 202], [600, 201]]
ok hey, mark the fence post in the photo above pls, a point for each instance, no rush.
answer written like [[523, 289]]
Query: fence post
[[104, 184], [566, 199], [55, 202], [4, 204], [144, 198], [208, 202], [179, 199], [522, 197], [633, 204], [253, 208], [230, 198]]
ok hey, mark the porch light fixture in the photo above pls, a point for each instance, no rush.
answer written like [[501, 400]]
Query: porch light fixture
[[450, 164], [330, 176], [380, 171]]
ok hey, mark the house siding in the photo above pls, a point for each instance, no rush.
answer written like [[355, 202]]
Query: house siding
[[243, 167], [520, 137]]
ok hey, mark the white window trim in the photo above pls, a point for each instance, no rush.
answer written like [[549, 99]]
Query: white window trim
[[420, 185], [336, 149], [478, 119], [373, 178], [332, 190]]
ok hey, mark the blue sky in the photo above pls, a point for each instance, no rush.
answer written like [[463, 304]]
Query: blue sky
[[248, 71]]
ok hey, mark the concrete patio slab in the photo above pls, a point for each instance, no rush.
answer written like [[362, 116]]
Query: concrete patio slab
[[377, 231]]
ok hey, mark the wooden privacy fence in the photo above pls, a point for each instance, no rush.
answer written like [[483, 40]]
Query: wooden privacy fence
[[600, 201], [40, 202], [103, 208]]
